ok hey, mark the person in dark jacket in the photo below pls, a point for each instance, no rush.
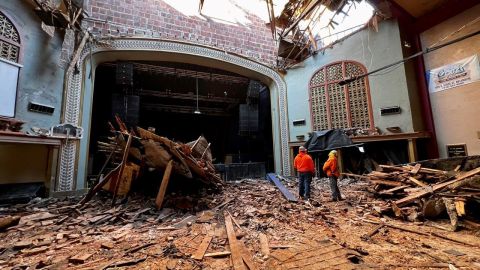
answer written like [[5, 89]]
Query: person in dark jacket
[[303, 163]]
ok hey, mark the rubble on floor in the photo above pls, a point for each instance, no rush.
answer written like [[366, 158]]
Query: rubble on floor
[[250, 225], [414, 192]]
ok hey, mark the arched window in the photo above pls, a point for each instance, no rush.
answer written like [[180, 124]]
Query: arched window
[[9, 40], [336, 106], [9, 67]]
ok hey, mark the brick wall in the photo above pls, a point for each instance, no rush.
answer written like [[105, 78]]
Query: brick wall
[[158, 19]]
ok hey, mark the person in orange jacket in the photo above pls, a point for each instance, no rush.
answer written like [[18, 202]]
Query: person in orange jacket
[[331, 169], [303, 163]]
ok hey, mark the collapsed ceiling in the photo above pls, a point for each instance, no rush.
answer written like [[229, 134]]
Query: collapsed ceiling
[[305, 26]]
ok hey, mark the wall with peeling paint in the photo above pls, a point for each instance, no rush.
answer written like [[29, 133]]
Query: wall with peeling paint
[[41, 77]]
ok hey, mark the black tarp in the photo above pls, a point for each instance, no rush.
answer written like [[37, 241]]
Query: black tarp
[[327, 140]]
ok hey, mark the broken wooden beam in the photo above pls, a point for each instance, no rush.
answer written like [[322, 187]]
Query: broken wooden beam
[[417, 182], [80, 258], [198, 255], [286, 193], [264, 244], [163, 185], [437, 187], [235, 247], [217, 254], [386, 182]]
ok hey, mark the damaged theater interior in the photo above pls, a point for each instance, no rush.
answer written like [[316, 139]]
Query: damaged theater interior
[[239, 134]]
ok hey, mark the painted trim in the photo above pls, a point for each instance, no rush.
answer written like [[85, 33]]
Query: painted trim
[[75, 81]]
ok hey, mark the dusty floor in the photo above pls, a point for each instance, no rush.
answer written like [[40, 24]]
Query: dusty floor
[[57, 234]]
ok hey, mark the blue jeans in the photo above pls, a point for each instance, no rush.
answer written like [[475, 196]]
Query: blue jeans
[[304, 180]]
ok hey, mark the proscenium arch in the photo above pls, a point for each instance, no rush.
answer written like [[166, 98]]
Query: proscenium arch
[[79, 93]]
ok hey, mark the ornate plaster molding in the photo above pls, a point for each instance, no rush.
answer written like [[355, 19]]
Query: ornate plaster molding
[[72, 103]]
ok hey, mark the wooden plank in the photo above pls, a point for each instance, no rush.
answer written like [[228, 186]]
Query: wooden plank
[[425, 192], [247, 257], [286, 193], [264, 244], [116, 182], [235, 247], [460, 207], [416, 168], [375, 230], [78, 52], [392, 190], [80, 258], [417, 182], [198, 255], [217, 254], [386, 182], [235, 221], [426, 170], [163, 185]]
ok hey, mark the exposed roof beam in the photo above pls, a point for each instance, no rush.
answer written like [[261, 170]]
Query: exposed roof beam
[[302, 16]]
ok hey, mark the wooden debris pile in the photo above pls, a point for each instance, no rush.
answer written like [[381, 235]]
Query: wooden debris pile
[[130, 153], [248, 226], [414, 191]]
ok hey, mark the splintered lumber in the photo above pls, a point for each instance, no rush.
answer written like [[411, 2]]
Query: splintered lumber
[[80, 258], [386, 182], [9, 221], [416, 181], [392, 190], [78, 52], [375, 231], [34, 251], [124, 263], [247, 257], [235, 221], [139, 247], [217, 254], [416, 168], [116, 180], [264, 244], [198, 255], [286, 193], [145, 134], [453, 240], [235, 247], [163, 185], [436, 187], [398, 227], [408, 168]]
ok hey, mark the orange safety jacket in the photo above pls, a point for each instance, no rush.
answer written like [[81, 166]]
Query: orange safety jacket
[[304, 163], [330, 167]]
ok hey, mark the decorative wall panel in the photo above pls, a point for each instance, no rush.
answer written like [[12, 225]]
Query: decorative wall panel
[[340, 106], [74, 90]]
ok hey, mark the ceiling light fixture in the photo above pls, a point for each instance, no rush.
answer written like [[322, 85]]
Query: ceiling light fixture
[[197, 111]]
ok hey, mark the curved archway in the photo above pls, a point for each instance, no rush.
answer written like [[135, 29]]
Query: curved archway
[[79, 92]]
